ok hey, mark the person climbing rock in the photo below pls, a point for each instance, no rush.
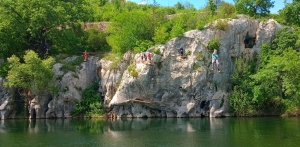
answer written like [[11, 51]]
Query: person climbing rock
[[85, 55], [181, 51], [215, 60]]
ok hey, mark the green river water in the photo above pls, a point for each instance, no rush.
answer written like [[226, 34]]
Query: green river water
[[158, 132]]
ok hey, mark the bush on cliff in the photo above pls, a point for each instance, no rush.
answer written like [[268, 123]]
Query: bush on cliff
[[91, 104]]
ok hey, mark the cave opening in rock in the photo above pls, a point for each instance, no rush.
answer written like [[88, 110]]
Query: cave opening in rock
[[249, 41]]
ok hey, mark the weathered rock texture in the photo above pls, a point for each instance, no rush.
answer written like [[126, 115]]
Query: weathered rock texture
[[71, 86], [174, 87]]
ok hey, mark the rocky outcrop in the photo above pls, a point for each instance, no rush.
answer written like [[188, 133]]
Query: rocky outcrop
[[70, 86], [5, 99], [171, 86]]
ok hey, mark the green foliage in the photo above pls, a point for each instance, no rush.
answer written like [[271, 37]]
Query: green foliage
[[179, 6], [212, 7], [272, 87], [200, 56], [290, 13], [127, 28], [284, 38], [4, 68], [30, 24], [277, 78], [132, 71], [213, 44], [222, 24], [188, 52], [34, 75], [254, 7], [70, 65], [115, 58], [240, 100], [142, 46], [67, 41], [177, 30], [91, 103], [96, 40], [226, 10], [161, 35], [157, 51], [196, 66]]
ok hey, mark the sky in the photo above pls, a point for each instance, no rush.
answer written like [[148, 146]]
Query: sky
[[201, 3]]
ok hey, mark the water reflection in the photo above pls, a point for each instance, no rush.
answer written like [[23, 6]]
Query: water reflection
[[152, 132]]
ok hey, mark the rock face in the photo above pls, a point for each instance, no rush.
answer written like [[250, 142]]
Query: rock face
[[5, 99], [171, 86], [71, 85]]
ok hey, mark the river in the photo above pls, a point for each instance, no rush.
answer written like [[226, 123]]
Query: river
[[152, 132]]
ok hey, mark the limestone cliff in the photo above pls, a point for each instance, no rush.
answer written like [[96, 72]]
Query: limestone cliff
[[169, 86], [70, 86], [174, 87]]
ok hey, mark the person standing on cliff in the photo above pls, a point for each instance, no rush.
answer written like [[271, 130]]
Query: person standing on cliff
[[215, 60], [85, 55], [149, 56], [46, 48]]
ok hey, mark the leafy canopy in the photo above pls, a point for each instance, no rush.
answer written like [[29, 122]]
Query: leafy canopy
[[34, 74], [254, 7], [29, 24]]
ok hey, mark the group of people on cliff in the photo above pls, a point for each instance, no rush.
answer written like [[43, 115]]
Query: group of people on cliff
[[146, 57]]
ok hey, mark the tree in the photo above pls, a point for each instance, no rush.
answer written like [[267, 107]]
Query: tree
[[218, 2], [291, 12], [161, 35], [254, 7], [127, 28], [226, 10], [275, 81], [284, 38], [34, 75], [29, 24], [96, 39], [179, 6], [212, 7]]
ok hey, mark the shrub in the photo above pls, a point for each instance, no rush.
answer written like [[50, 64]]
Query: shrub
[[200, 56], [142, 46], [195, 66], [96, 40], [156, 51], [4, 68], [115, 58], [71, 65], [213, 44], [226, 10], [222, 24], [188, 52], [132, 71], [91, 104]]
